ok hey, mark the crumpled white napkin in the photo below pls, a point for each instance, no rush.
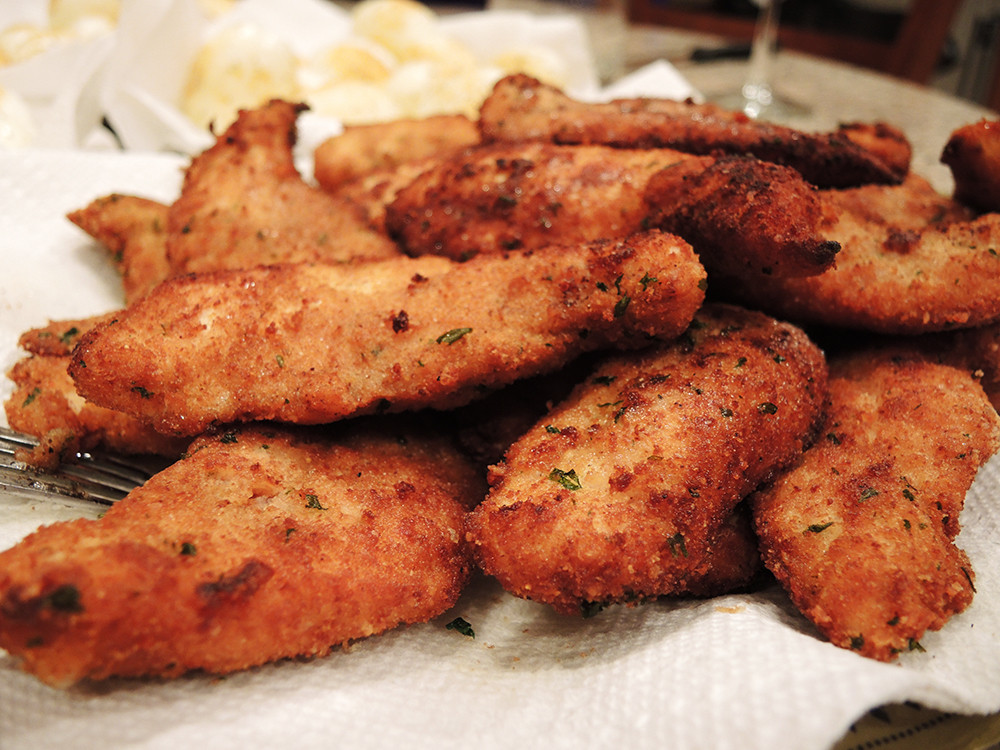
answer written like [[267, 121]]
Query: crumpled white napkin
[[135, 75], [745, 671]]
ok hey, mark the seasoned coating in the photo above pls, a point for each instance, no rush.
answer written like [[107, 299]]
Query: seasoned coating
[[886, 141], [911, 261], [973, 155], [133, 229], [522, 108], [262, 544], [374, 192], [743, 215], [741, 211], [361, 150], [243, 204], [316, 343], [44, 403], [860, 533], [512, 196], [619, 493]]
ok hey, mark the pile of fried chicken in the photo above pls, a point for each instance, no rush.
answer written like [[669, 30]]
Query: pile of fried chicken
[[601, 352]]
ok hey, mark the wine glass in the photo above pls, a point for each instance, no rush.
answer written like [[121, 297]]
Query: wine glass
[[756, 97]]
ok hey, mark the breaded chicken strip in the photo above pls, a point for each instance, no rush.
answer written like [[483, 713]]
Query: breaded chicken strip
[[527, 195], [244, 204], [45, 404], [361, 150], [264, 543], [316, 343], [522, 108], [620, 493], [910, 261], [134, 231], [861, 532], [973, 155]]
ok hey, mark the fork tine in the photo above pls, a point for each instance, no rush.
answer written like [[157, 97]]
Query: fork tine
[[100, 478]]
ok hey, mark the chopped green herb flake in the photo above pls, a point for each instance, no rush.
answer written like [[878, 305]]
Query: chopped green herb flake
[[453, 335], [462, 626], [188, 549], [280, 360], [228, 437], [767, 408], [552, 429], [622, 305], [833, 438], [818, 527], [603, 380], [142, 391], [567, 479], [68, 334], [646, 280], [312, 501], [677, 545], [868, 492], [857, 642], [35, 393], [740, 362]]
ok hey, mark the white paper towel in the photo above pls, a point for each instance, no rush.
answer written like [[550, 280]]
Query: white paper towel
[[741, 671]]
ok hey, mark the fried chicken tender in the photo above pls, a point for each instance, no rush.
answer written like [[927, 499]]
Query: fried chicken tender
[[133, 230], [263, 543], [861, 533], [973, 155], [910, 261], [316, 343], [522, 108], [620, 492], [528, 195], [45, 404], [243, 204], [361, 150]]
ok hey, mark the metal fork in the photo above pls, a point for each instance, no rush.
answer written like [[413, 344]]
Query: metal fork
[[99, 477]]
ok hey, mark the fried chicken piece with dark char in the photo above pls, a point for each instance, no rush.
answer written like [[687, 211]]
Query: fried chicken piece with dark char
[[244, 204], [263, 543], [522, 108], [861, 533], [316, 343], [528, 195], [972, 153], [910, 261], [621, 491]]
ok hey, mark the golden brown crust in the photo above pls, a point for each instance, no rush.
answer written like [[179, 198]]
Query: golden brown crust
[[619, 492], [911, 261], [973, 155], [318, 343], [361, 150], [244, 204], [262, 544], [743, 214], [133, 230], [522, 196], [860, 533], [737, 211], [522, 108], [44, 403], [58, 337]]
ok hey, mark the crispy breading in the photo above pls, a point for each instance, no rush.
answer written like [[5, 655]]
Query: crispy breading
[[886, 141], [526, 195], [315, 343], [59, 337], [619, 493], [743, 214], [522, 108], [243, 204], [383, 147], [263, 543], [44, 403], [973, 155], [134, 231], [861, 532], [911, 261], [373, 192]]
